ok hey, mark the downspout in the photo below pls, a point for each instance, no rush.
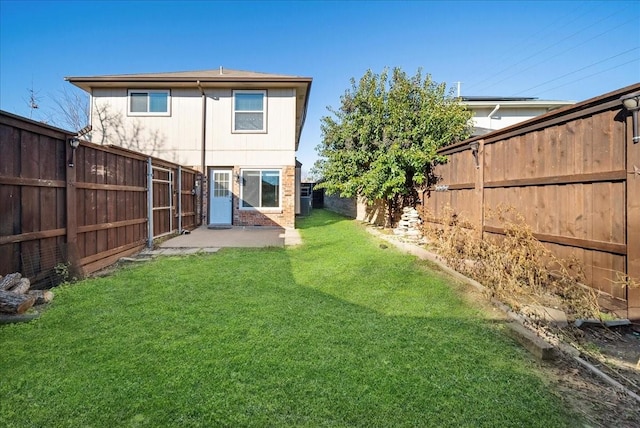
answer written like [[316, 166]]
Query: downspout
[[494, 111], [204, 147]]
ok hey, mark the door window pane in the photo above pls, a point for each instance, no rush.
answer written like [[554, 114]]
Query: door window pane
[[221, 185]]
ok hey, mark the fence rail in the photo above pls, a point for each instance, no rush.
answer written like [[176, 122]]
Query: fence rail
[[571, 175], [87, 206]]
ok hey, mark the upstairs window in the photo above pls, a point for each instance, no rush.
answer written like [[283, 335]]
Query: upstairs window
[[149, 102], [249, 111]]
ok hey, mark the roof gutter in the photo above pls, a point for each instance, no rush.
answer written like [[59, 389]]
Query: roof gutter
[[304, 115]]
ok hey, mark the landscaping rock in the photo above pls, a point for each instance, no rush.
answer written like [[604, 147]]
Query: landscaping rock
[[409, 225]]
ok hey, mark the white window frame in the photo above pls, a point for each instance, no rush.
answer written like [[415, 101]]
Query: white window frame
[[149, 113], [264, 111], [263, 209]]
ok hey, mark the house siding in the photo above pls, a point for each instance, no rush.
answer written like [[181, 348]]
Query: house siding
[[178, 138], [505, 116], [224, 147]]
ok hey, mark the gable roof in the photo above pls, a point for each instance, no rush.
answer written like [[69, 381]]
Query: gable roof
[[220, 75], [218, 78]]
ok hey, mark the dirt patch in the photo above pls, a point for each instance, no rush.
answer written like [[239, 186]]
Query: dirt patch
[[615, 351], [598, 403]]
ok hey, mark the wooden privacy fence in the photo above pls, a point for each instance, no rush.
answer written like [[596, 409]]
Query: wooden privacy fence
[[87, 206], [573, 174]]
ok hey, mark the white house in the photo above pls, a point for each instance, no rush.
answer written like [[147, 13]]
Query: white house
[[241, 129], [491, 113]]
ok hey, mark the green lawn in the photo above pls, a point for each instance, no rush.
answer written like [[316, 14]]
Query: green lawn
[[336, 332]]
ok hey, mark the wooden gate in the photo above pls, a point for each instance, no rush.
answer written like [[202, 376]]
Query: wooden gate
[[161, 203]]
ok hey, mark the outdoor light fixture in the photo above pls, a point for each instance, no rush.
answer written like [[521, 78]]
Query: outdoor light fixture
[[632, 103], [74, 142], [474, 151]]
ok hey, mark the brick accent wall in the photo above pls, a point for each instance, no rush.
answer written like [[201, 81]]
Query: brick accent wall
[[284, 217]]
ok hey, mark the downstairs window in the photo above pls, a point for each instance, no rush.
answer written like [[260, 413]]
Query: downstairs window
[[260, 188]]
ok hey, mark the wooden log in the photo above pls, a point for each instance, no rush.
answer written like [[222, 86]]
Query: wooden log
[[12, 303], [9, 281], [21, 287], [42, 296]]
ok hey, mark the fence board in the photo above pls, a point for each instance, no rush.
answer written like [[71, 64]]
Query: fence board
[[567, 174], [93, 212]]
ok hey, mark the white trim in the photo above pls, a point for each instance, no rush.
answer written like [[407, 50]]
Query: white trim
[[261, 209], [264, 112], [149, 113]]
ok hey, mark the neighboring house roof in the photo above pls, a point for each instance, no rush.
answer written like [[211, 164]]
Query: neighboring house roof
[[522, 102], [548, 119], [528, 106], [488, 98], [219, 78]]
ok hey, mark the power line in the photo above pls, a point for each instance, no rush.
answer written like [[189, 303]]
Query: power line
[[584, 68], [590, 75], [544, 50], [517, 47], [560, 53]]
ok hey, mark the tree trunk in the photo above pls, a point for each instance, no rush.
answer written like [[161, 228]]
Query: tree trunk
[[391, 210], [9, 281], [21, 287], [12, 303], [42, 296]]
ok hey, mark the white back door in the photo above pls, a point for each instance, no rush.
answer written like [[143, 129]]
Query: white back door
[[220, 197]]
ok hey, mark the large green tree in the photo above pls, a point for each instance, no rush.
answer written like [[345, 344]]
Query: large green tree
[[382, 141]]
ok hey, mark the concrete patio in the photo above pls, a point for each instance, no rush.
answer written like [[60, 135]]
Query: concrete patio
[[212, 239]]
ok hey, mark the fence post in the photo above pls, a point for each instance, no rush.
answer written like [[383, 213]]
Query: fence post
[[633, 222], [480, 188], [71, 214], [149, 203], [179, 199]]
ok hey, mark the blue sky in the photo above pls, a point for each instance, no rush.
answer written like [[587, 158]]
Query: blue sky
[[550, 50]]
